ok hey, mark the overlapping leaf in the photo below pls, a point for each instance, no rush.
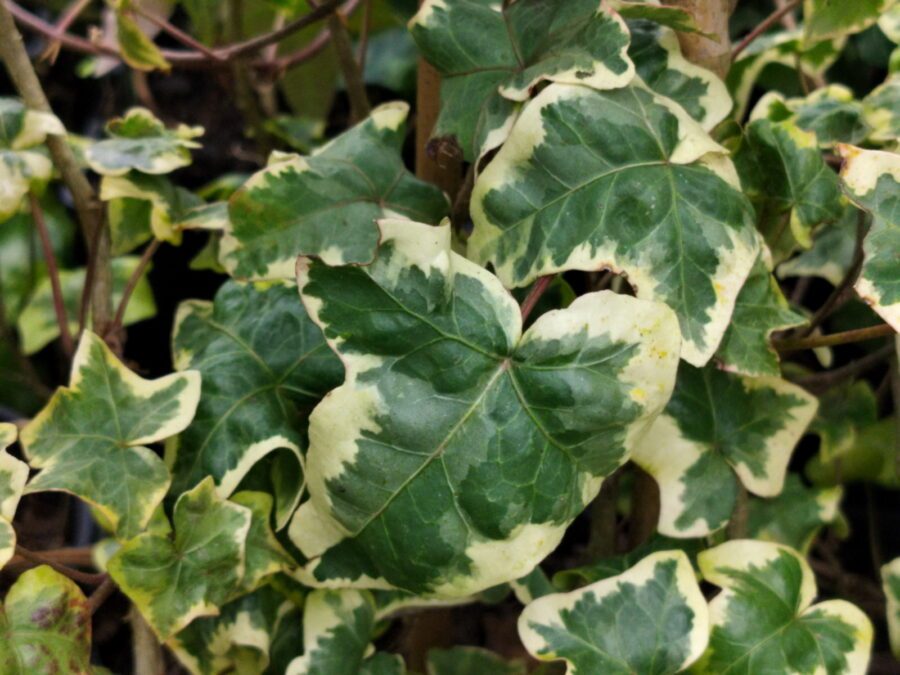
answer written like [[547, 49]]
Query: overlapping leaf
[[650, 619], [882, 110], [844, 411], [326, 204], [764, 621], [831, 254], [90, 438], [827, 18], [491, 55], [469, 660], [13, 474], [265, 365], [622, 180], [890, 578], [832, 113], [720, 429], [458, 449], [676, 18]]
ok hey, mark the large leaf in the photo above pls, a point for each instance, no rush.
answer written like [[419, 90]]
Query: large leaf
[[620, 180], [265, 365], [45, 626], [470, 660], [458, 449], [890, 578], [13, 474], [326, 204], [831, 18], [651, 619], [90, 438], [872, 180], [718, 431], [764, 621], [174, 579], [491, 55]]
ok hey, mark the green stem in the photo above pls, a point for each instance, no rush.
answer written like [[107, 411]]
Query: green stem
[[847, 337]]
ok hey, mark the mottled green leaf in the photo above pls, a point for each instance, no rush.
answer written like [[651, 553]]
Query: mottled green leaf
[[882, 111], [492, 55], [326, 204], [621, 180], [140, 142], [264, 556], [174, 579], [265, 365], [676, 18], [137, 48], [45, 625], [90, 438], [871, 458], [872, 181], [22, 128], [651, 619], [890, 578], [764, 621], [832, 18], [831, 254], [719, 430], [832, 114], [843, 412], [458, 449], [13, 474], [470, 660]]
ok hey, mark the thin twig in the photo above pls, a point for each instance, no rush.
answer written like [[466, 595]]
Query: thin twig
[[59, 304], [133, 280], [362, 48], [75, 575], [859, 335], [101, 594], [830, 378], [177, 33], [765, 25], [531, 300], [353, 77], [68, 18]]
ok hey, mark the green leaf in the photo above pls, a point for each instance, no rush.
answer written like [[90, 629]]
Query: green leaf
[[651, 619], [45, 625], [832, 114], [832, 18], [764, 621], [720, 429], [137, 49], [470, 660], [831, 254], [326, 204], [890, 578], [89, 440], [21, 128], [265, 365], [872, 181], [760, 310], [458, 450], [383, 663], [13, 474], [843, 412], [337, 629], [492, 55], [794, 517], [174, 579], [38, 325], [871, 458], [533, 585], [140, 142], [556, 199], [264, 556], [881, 108], [675, 18]]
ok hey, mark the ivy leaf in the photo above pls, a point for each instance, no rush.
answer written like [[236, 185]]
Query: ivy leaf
[[265, 365], [827, 18], [674, 18], [383, 663], [326, 204], [136, 47], [872, 181], [469, 660], [794, 517], [486, 73], [880, 108], [13, 474], [554, 200], [337, 629], [844, 411], [760, 310], [45, 625], [89, 439], [264, 556], [720, 429], [533, 585], [831, 254], [764, 619], [871, 459], [650, 619], [890, 578], [173, 580], [832, 113], [140, 142], [38, 325], [439, 465]]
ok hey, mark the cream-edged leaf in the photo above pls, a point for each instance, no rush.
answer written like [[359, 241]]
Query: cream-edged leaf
[[890, 579], [830, 18], [882, 111], [871, 458], [831, 254], [264, 555], [843, 412], [13, 474]]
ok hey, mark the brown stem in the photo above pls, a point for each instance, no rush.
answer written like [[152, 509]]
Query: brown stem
[[71, 13], [539, 288], [147, 655], [765, 25], [245, 93], [353, 77], [830, 378], [737, 525], [101, 594], [711, 17], [81, 577], [859, 335], [133, 280], [59, 305], [645, 507], [177, 33], [362, 48]]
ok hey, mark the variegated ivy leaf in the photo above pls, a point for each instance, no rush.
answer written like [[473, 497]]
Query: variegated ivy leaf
[[264, 556], [827, 19], [831, 253], [882, 111], [764, 621], [659, 62], [760, 309], [140, 142], [45, 625], [326, 204], [383, 663], [651, 619], [639, 189], [794, 517], [137, 48], [470, 660], [832, 113], [532, 586], [265, 365], [794, 190], [174, 579], [872, 181], [13, 474], [890, 578], [90, 438], [871, 459], [491, 55], [458, 450], [844, 411], [720, 430], [38, 325], [337, 629]]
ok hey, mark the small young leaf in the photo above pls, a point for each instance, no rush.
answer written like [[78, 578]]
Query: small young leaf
[[89, 439], [890, 578], [470, 660], [13, 474], [764, 621], [718, 429], [651, 619], [138, 50]]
